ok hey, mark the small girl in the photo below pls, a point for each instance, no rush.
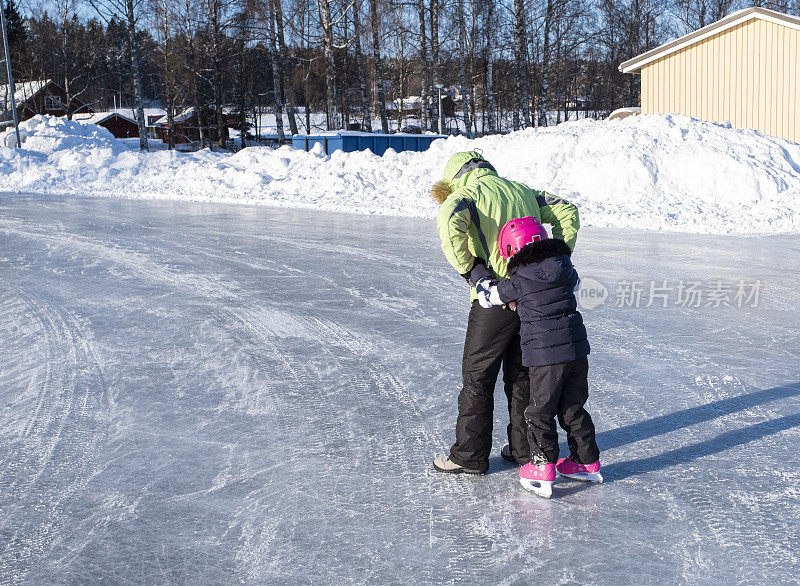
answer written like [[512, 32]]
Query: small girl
[[542, 282]]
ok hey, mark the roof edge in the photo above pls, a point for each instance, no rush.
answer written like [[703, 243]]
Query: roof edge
[[635, 64]]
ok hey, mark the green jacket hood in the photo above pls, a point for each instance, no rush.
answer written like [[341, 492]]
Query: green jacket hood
[[454, 169]]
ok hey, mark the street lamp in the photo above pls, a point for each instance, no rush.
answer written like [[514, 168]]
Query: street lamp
[[439, 87]]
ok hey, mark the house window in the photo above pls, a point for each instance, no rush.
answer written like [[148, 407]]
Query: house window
[[52, 103]]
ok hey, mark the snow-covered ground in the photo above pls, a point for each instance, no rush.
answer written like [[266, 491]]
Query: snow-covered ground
[[658, 172], [205, 393]]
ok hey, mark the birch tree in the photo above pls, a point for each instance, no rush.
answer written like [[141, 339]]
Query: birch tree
[[521, 93], [376, 56], [366, 114], [424, 66], [128, 11], [462, 67], [330, 65], [283, 60], [489, 83]]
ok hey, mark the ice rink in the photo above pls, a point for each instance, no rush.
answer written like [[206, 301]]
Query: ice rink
[[206, 393]]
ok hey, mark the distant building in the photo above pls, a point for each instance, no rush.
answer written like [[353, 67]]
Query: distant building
[[39, 97], [120, 126], [187, 125], [151, 117], [412, 105], [743, 69]]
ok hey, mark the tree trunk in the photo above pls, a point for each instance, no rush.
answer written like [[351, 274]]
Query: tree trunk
[[216, 72], [195, 67], [423, 58], [138, 99], [462, 67], [376, 55], [490, 32], [327, 49], [276, 74], [169, 93], [283, 59], [544, 98], [438, 120], [520, 67], [401, 72], [240, 70], [366, 114]]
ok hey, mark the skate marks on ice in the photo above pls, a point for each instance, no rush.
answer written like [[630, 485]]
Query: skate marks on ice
[[346, 416], [49, 457], [285, 431], [723, 459], [745, 403]]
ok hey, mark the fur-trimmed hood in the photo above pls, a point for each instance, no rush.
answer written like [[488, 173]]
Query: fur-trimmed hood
[[536, 252]]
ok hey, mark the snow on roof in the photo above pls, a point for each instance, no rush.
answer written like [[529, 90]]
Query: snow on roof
[[181, 116], [23, 91], [100, 117], [635, 65], [409, 103], [131, 113]]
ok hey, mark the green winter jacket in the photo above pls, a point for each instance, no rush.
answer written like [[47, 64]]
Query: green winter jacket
[[481, 203]]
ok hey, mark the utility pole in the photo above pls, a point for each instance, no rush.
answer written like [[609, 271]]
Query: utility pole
[[10, 75]]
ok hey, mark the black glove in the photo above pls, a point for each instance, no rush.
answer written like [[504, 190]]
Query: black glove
[[478, 271]]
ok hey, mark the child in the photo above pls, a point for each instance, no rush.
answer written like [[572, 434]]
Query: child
[[541, 282]]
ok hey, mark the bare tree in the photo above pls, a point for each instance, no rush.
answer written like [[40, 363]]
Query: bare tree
[[366, 114], [283, 59], [490, 33], [163, 12], [434, 10], [462, 66], [376, 56], [128, 11], [330, 66], [695, 14], [521, 93], [277, 94]]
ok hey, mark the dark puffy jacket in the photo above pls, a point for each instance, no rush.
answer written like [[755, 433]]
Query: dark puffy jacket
[[542, 281]]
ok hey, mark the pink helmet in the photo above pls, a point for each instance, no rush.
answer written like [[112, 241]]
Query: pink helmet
[[519, 232]]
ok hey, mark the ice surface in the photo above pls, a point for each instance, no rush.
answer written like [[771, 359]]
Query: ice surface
[[213, 394]]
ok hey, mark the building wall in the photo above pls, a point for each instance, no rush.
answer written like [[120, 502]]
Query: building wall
[[39, 104], [748, 75], [121, 128]]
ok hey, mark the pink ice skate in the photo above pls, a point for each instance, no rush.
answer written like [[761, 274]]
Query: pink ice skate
[[538, 479], [569, 468]]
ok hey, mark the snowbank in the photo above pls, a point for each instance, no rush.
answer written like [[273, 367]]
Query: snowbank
[[655, 172]]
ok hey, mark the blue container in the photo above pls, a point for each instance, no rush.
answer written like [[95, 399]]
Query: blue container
[[362, 141]]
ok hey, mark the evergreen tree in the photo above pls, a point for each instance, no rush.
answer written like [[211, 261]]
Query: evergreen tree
[[17, 34]]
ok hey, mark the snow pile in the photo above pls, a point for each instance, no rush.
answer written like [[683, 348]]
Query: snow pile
[[652, 172], [48, 134]]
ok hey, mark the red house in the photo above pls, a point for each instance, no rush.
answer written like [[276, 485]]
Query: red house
[[39, 97], [120, 126]]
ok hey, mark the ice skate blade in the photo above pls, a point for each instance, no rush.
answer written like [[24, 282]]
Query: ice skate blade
[[585, 476], [542, 488]]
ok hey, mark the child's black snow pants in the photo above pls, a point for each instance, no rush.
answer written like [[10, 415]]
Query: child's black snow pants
[[560, 390], [492, 340]]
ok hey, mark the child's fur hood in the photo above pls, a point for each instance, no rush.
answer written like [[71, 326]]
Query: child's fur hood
[[536, 252]]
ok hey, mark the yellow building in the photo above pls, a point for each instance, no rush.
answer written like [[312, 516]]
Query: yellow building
[[743, 69]]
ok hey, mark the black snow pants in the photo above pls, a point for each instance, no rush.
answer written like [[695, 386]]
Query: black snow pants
[[492, 339], [560, 390]]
